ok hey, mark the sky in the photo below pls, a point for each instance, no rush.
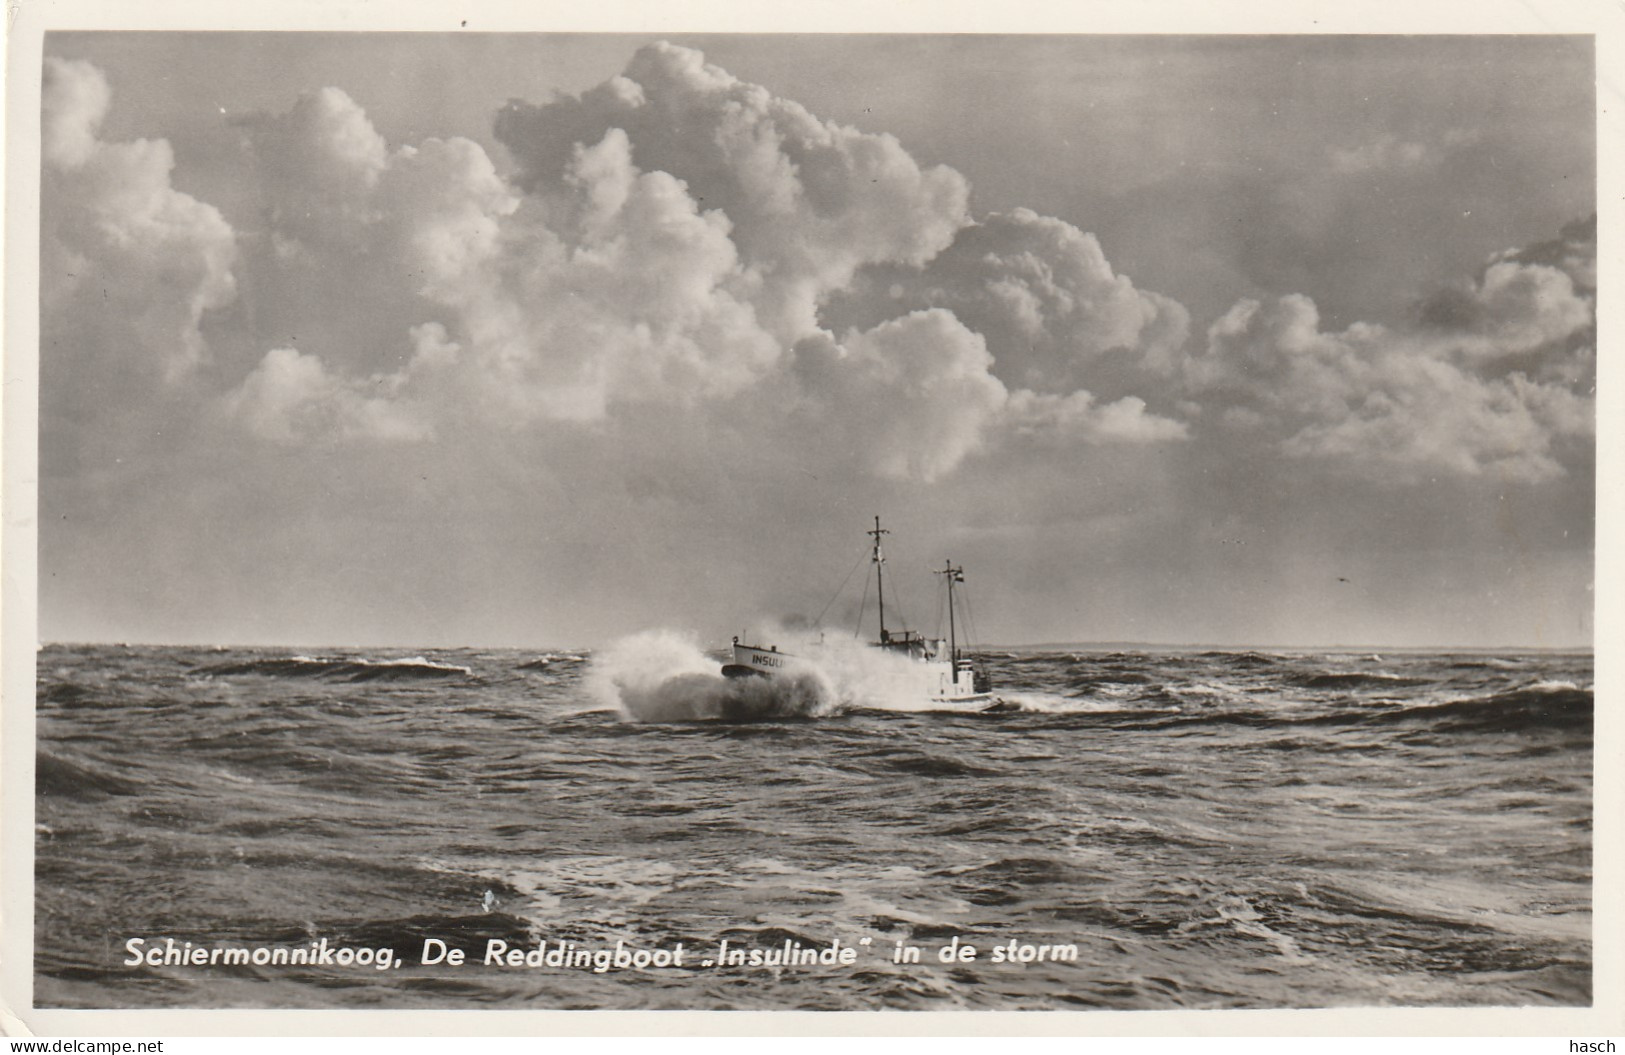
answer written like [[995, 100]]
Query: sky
[[543, 340]]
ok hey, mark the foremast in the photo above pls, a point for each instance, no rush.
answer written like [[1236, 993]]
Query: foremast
[[952, 575], [879, 561], [954, 679]]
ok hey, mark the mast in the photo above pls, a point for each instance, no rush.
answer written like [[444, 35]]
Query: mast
[[953, 575], [879, 559]]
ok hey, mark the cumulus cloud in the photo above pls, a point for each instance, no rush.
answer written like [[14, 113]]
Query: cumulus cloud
[[915, 392], [1513, 308], [1573, 251], [615, 290], [1410, 403], [1040, 290], [129, 264], [1077, 415], [677, 245], [620, 291], [1524, 306], [290, 397], [319, 163], [75, 101], [669, 239], [914, 396], [1424, 417], [809, 200]]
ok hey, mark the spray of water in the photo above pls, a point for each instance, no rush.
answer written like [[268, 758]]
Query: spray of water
[[861, 676], [664, 676]]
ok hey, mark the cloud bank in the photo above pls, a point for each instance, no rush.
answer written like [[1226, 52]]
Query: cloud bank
[[1403, 406], [129, 264], [678, 245]]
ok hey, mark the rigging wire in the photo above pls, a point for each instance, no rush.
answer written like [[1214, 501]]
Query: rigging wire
[[902, 619], [970, 623], [838, 590], [863, 606]]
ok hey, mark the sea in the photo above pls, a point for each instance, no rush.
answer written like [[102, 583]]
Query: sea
[[625, 829]]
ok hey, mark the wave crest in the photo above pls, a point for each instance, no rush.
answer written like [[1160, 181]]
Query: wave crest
[[662, 676], [1546, 706], [351, 670]]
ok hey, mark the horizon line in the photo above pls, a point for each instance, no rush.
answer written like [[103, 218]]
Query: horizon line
[[1040, 646]]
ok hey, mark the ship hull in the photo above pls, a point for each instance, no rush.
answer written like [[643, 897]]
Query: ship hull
[[752, 662], [925, 674], [927, 685]]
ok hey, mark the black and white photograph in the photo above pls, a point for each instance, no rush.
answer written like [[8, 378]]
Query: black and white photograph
[[860, 521]]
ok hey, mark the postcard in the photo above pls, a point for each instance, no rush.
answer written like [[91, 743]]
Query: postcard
[[1087, 518]]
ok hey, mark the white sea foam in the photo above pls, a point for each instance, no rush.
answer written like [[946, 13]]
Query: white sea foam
[[1050, 703], [664, 675]]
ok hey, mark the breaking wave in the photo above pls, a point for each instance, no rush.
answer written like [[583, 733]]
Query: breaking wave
[[1352, 680], [550, 661], [57, 776], [1051, 703], [1555, 705], [351, 670], [1440, 848], [1243, 660], [662, 676]]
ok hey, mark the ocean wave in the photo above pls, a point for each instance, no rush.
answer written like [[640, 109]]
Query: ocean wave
[[550, 660], [711, 697], [1356, 680], [59, 778], [1047, 703], [1242, 659], [69, 694], [928, 765], [349, 670], [1541, 706], [1105, 678], [1440, 859], [1555, 686], [1558, 705], [468, 933]]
